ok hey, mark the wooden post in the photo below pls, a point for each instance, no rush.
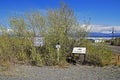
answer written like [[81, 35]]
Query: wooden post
[[84, 58], [118, 58]]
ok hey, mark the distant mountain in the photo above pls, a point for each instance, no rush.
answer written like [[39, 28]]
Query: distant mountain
[[98, 34]]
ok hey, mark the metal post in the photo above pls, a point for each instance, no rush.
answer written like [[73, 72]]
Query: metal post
[[58, 58], [112, 33], [112, 41], [58, 51]]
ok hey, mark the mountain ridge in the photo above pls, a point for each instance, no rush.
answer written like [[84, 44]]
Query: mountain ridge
[[100, 34]]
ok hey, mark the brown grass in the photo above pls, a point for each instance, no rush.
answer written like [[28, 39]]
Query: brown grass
[[116, 60]]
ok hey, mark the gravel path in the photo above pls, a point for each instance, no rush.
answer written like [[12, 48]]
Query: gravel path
[[23, 72]]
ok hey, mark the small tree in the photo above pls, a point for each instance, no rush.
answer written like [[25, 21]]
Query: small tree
[[36, 23], [59, 23]]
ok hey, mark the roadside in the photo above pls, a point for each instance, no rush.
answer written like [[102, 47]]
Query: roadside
[[116, 54], [71, 72], [78, 72], [114, 49]]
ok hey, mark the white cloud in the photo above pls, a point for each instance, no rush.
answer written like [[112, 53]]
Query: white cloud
[[104, 29]]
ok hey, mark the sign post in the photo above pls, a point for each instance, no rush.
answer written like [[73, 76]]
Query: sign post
[[80, 50], [38, 41], [58, 51]]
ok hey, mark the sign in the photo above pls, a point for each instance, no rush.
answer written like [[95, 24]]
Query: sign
[[58, 46], [80, 50], [39, 41]]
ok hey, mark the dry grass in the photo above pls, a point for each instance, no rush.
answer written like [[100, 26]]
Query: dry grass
[[116, 60]]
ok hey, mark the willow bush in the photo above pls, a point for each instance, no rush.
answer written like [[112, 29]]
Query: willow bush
[[57, 26]]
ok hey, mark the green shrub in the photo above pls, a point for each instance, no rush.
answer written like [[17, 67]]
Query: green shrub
[[58, 26], [98, 54], [36, 59]]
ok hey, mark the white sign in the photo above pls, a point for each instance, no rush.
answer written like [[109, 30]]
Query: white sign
[[38, 41], [80, 50], [58, 46]]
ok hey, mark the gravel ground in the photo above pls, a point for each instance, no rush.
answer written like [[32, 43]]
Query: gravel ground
[[23, 72]]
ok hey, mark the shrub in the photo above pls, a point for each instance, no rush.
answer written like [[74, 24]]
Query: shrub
[[36, 58], [98, 54], [58, 26]]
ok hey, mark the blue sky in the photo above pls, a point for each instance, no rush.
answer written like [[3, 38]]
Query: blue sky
[[101, 12]]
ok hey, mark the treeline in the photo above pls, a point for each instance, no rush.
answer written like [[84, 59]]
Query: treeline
[[57, 26]]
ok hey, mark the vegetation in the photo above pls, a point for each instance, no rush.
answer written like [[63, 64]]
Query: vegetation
[[116, 41], [58, 26], [99, 54]]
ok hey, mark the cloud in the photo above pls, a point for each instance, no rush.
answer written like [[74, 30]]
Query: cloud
[[104, 29]]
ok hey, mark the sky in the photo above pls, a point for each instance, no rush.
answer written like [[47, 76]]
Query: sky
[[100, 12]]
